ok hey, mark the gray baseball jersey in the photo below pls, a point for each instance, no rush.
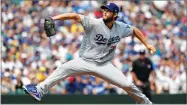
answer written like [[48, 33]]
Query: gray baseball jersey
[[99, 42]]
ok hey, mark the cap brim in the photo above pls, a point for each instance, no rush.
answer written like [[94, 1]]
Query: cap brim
[[142, 53], [105, 7]]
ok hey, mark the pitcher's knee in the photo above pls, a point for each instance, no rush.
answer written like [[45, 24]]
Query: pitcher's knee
[[63, 68], [126, 85]]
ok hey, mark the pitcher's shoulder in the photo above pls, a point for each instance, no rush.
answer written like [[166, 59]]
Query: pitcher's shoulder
[[122, 24], [97, 21]]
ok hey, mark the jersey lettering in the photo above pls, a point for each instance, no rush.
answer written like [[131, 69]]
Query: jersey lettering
[[99, 39], [113, 40]]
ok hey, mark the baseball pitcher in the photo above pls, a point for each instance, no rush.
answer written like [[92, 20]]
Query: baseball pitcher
[[96, 52]]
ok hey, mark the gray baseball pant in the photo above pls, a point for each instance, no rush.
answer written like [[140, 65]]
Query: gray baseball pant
[[107, 72]]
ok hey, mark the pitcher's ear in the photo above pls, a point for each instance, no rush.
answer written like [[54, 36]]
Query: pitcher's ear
[[115, 14]]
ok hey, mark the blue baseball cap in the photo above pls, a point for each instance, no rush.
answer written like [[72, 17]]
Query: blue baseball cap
[[111, 6]]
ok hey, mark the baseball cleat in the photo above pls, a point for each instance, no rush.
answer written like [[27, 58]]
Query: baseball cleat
[[32, 91]]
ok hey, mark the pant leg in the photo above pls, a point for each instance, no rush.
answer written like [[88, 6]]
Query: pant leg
[[147, 92], [113, 75], [71, 68], [146, 89]]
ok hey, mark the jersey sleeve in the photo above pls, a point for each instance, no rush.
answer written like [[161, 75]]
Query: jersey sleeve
[[127, 30], [86, 22]]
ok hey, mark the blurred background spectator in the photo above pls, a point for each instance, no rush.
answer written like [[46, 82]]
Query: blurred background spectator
[[28, 56], [142, 69]]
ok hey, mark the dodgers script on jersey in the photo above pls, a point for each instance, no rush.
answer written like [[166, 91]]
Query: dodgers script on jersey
[[99, 42]]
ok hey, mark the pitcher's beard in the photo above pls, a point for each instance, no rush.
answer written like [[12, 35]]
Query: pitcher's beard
[[108, 20]]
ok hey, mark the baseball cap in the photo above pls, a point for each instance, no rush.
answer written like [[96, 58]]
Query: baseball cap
[[111, 6], [142, 52]]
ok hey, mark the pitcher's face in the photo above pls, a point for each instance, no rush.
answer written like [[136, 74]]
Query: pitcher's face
[[108, 15]]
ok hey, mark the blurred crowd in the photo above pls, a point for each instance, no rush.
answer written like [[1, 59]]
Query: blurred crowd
[[28, 56]]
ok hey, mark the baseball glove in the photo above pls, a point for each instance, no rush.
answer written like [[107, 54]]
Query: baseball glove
[[49, 27]]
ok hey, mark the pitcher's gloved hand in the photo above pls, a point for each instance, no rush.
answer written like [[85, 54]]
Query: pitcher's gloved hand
[[49, 27]]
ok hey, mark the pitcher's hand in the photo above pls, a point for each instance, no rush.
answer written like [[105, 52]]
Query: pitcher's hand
[[151, 48]]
